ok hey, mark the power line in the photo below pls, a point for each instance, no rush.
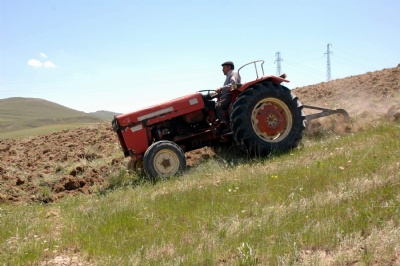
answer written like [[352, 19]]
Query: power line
[[305, 67], [328, 62], [278, 59], [363, 65], [352, 64], [304, 73]]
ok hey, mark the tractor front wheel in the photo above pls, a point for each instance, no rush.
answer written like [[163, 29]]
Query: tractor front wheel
[[136, 166], [164, 159]]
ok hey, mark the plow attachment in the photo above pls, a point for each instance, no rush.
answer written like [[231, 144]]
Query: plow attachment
[[325, 112]]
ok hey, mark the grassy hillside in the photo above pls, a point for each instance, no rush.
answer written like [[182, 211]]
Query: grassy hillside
[[334, 201], [27, 113], [104, 115]]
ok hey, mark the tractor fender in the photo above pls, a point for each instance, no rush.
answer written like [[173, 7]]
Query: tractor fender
[[271, 78]]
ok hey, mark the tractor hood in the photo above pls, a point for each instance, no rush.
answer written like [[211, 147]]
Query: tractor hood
[[164, 111]]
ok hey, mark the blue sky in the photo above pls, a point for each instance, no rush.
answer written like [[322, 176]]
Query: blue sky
[[125, 55]]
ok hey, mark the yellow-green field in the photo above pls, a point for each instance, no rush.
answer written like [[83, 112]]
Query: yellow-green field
[[38, 130]]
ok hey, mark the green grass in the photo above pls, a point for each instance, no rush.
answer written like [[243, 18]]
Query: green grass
[[334, 201]]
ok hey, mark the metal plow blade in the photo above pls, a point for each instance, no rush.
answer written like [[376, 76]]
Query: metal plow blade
[[325, 112]]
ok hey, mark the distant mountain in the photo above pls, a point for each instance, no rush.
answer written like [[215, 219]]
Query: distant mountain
[[104, 115], [23, 113]]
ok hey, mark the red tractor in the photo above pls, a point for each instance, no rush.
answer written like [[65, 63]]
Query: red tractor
[[264, 117]]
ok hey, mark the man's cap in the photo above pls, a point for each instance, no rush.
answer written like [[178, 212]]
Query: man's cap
[[228, 63]]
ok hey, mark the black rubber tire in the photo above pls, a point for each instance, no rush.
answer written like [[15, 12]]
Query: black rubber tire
[[245, 129], [164, 159]]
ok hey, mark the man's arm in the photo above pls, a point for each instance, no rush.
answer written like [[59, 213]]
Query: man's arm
[[234, 79]]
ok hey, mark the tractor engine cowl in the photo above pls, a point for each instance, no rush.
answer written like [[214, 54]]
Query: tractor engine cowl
[[194, 117]]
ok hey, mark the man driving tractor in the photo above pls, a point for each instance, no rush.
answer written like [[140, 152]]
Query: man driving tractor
[[232, 77]]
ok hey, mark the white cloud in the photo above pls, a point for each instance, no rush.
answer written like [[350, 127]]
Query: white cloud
[[35, 63], [38, 63], [49, 64]]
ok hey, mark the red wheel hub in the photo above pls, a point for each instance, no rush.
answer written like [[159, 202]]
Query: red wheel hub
[[271, 120]]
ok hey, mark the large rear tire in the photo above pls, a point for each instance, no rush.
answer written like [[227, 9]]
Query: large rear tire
[[164, 159], [267, 118]]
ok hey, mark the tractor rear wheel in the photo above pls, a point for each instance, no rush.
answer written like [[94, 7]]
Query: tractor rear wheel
[[164, 159], [267, 118]]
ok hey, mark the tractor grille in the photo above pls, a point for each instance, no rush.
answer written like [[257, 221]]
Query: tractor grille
[[115, 125]]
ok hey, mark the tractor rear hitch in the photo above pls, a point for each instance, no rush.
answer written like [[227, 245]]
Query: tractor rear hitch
[[325, 112]]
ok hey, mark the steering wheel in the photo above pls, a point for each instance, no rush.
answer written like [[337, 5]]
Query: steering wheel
[[210, 95]]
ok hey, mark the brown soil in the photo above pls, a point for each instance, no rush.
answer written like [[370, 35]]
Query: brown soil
[[79, 161], [367, 98], [45, 168], [70, 162]]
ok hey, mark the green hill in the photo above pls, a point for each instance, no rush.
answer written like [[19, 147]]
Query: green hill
[[18, 114], [104, 115]]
